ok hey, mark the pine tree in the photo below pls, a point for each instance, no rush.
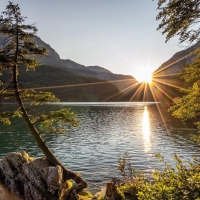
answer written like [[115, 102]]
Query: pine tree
[[18, 48]]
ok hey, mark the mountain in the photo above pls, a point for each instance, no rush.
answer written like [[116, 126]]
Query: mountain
[[167, 77], [67, 86], [92, 81], [177, 62], [53, 59]]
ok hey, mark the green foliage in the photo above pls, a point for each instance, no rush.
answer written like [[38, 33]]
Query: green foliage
[[192, 72], [118, 195], [196, 138], [124, 165], [178, 183], [6, 95], [188, 106], [56, 121], [181, 17], [133, 178], [37, 98], [69, 184], [85, 195], [19, 50], [178, 17], [5, 116]]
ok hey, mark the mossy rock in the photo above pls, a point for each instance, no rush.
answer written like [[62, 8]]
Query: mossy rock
[[84, 195]]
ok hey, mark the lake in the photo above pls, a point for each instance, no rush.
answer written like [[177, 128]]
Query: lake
[[107, 131]]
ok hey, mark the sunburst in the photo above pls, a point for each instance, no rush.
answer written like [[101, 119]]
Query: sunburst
[[143, 75]]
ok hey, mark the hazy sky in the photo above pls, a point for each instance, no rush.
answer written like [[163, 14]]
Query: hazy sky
[[119, 35]]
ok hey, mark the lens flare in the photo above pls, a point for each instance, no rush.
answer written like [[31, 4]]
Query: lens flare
[[143, 75]]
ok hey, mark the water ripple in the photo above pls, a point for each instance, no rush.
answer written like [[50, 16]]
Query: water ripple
[[104, 134]]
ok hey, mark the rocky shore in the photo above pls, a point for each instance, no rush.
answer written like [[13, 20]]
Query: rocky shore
[[31, 179], [25, 178]]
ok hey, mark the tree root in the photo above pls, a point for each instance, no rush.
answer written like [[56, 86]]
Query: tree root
[[80, 184]]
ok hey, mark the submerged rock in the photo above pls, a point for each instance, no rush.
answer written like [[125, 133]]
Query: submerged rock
[[31, 179]]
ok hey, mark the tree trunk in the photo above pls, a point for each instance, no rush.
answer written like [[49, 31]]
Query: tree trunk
[[81, 183]]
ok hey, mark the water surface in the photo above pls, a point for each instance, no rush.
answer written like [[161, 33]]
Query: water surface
[[105, 132]]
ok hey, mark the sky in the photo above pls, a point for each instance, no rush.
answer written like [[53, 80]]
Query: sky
[[119, 35]]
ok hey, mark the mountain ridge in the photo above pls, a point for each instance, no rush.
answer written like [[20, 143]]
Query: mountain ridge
[[124, 83], [177, 62], [53, 59]]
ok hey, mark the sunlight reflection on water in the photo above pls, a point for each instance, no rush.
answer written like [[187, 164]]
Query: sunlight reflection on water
[[146, 130], [105, 132]]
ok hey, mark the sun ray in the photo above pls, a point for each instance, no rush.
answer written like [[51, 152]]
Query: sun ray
[[142, 85], [75, 85], [171, 64], [133, 85], [159, 110], [145, 89], [160, 89], [165, 83], [167, 75], [61, 90]]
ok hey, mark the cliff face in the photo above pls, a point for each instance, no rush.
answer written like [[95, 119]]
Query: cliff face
[[52, 56]]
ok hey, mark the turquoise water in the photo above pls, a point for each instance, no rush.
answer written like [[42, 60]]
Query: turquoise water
[[105, 132]]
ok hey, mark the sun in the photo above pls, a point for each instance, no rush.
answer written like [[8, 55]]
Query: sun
[[143, 75]]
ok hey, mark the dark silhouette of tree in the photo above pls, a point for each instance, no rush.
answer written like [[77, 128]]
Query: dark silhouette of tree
[[18, 49]]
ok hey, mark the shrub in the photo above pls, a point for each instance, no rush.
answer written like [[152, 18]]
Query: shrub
[[177, 183]]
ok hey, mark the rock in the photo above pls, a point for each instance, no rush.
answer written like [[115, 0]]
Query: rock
[[54, 179], [32, 171], [31, 179], [31, 192], [99, 194]]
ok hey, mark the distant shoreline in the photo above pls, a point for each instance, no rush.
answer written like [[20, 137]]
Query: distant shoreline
[[124, 103]]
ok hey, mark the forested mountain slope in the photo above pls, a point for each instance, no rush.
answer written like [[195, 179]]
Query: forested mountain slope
[[66, 85], [168, 76]]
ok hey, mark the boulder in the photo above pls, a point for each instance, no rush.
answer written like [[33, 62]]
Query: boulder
[[31, 179]]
